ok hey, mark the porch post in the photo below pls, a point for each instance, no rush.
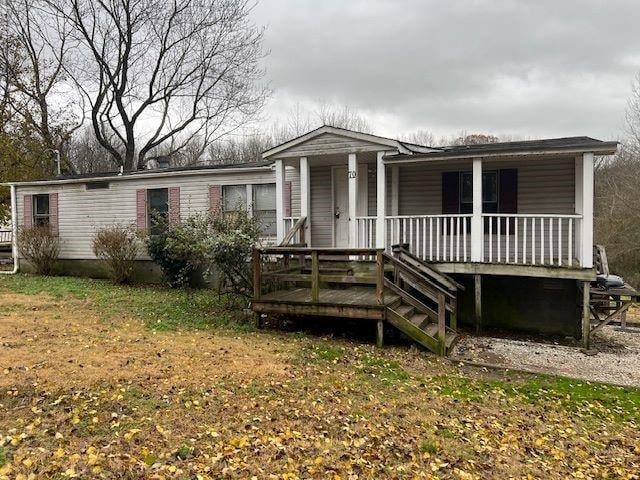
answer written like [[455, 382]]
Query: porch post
[[280, 172], [381, 203], [584, 207], [352, 173], [305, 197], [477, 234]]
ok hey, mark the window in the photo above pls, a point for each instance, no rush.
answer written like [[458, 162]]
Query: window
[[41, 209], [234, 198], [264, 207], [157, 207], [489, 192]]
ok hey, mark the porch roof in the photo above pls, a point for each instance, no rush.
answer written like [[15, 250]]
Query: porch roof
[[362, 138], [563, 145]]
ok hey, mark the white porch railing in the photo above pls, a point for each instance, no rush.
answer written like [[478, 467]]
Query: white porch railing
[[5, 236], [542, 239], [434, 238], [366, 232]]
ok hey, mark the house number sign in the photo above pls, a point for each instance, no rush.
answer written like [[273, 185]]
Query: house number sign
[[353, 174]]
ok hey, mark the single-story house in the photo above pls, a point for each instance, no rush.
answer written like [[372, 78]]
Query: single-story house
[[514, 217]]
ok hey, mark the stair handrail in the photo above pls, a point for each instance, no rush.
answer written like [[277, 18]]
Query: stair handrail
[[428, 270], [298, 226]]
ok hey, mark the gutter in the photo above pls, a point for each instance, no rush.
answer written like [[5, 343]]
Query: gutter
[[14, 233], [114, 178]]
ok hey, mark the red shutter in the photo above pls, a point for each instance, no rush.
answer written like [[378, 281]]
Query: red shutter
[[53, 214], [508, 188], [141, 209], [28, 211], [215, 198], [174, 205], [450, 192], [287, 199]]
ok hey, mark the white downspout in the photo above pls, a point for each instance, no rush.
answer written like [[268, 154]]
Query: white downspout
[[14, 232]]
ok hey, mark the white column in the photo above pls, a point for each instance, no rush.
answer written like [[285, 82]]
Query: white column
[[353, 199], [381, 202], [305, 197], [584, 207], [477, 234], [395, 188], [280, 171]]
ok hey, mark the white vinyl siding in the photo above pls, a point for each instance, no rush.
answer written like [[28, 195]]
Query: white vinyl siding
[[545, 185], [82, 211]]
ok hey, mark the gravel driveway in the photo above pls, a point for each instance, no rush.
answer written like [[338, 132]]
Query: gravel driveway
[[617, 360]]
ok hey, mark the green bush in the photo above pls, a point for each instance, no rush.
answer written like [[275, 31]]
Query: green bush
[[118, 247], [206, 247], [181, 250]]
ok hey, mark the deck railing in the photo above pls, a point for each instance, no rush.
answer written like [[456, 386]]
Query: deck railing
[[434, 238], [6, 236], [542, 239]]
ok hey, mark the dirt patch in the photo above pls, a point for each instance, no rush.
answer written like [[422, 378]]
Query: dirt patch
[[617, 360], [47, 343]]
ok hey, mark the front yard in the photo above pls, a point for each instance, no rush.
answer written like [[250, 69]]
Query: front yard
[[98, 381]]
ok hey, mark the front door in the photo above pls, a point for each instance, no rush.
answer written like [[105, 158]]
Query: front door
[[340, 207]]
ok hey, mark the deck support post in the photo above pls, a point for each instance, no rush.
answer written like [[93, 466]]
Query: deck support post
[[478, 303], [315, 277], [477, 233], [257, 274], [280, 179], [381, 202], [379, 278], [380, 333], [305, 200], [352, 174], [586, 315]]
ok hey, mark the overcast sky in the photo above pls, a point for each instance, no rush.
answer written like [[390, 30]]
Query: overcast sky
[[523, 68]]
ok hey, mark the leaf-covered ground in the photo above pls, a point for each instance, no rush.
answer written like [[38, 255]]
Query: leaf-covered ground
[[106, 382]]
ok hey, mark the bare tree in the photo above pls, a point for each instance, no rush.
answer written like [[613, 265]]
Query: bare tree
[[160, 73], [36, 90]]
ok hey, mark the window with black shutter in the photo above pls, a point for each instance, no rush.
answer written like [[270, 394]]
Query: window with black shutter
[[499, 191]]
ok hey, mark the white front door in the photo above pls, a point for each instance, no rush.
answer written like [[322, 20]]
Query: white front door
[[340, 207]]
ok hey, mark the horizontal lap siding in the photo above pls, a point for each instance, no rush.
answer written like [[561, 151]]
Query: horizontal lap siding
[[82, 211], [545, 185], [293, 175], [328, 144], [321, 202]]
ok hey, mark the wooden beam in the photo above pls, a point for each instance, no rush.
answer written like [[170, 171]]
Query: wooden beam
[[586, 317], [513, 270], [478, 303], [280, 179], [257, 270], [442, 326], [315, 277], [380, 333], [379, 278]]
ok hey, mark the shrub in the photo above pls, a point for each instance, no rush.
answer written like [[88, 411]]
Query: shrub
[[234, 238], [39, 247], [181, 250], [118, 247], [206, 246]]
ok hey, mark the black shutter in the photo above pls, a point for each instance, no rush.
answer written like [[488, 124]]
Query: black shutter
[[508, 189], [450, 192]]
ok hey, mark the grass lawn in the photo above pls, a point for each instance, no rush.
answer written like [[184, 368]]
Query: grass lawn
[[98, 381]]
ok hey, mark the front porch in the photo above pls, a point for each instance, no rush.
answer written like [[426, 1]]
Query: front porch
[[542, 219]]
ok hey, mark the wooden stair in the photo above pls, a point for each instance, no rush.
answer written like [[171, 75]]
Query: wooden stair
[[417, 284]]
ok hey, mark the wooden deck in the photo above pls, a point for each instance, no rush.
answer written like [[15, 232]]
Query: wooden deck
[[358, 283]]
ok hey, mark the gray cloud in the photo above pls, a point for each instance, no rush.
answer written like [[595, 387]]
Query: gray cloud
[[519, 67]]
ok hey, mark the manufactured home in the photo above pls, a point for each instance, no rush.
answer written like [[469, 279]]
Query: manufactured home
[[490, 235]]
